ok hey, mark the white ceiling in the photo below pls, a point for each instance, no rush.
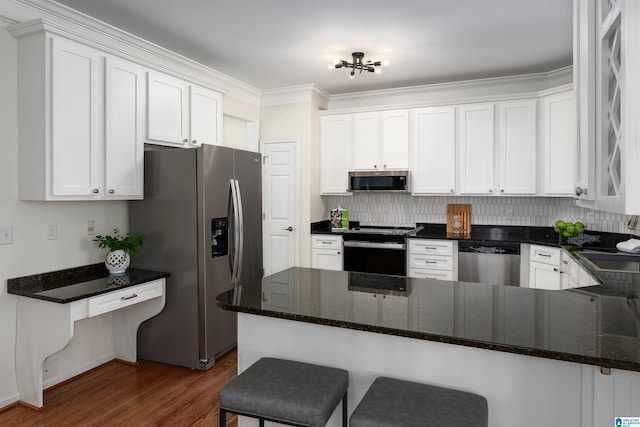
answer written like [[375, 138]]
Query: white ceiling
[[277, 43]]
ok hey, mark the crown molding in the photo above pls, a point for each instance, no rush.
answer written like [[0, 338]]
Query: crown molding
[[496, 88], [303, 94], [52, 17]]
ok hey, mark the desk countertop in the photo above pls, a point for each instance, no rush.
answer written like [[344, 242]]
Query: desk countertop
[[72, 284]]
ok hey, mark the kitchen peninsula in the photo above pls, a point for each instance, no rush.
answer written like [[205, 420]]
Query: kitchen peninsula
[[541, 357]]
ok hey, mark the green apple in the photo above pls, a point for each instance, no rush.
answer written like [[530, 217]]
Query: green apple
[[561, 224]]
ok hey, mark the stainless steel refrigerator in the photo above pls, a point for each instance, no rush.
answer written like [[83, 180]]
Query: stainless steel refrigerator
[[202, 218]]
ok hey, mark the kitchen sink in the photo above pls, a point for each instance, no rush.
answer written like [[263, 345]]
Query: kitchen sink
[[628, 263]]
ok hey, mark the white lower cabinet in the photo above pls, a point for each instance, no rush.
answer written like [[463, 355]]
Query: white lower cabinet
[[544, 267], [326, 252], [432, 259]]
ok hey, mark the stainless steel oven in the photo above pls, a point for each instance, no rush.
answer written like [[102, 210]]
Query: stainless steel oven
[[376, 250]]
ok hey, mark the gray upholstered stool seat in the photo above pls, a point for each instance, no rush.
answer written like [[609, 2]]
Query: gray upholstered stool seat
[[396, 403], [287, 392]]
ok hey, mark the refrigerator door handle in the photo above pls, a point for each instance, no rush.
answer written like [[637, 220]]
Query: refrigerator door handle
[[233, 206], [240, 241]]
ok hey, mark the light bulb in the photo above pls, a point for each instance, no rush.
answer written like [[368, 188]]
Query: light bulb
[[385, 63], [352, 74], [378, 71]]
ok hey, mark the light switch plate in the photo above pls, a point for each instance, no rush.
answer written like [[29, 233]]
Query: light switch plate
[[6, 234]]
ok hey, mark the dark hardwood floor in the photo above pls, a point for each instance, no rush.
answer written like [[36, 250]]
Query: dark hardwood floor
[[118, 394]]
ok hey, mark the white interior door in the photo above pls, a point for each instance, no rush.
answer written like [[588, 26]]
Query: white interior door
[[279, 201]]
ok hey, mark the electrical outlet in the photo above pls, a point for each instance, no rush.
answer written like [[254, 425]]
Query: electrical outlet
[[6, 234], [51, 231], [91, 227]]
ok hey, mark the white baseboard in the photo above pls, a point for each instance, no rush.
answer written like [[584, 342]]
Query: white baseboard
[[68, 375], [8, 401]]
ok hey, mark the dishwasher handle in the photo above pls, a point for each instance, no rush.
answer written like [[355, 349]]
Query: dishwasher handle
[[375, 245]]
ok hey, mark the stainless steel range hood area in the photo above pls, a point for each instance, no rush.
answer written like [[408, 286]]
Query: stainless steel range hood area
[[396, 181]]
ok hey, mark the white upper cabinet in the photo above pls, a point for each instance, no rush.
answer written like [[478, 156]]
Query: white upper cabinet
[[475, 137], [366, 133], [394, 139], [79, 121], [181, 114], [335, 153], [607, 45], [434, 154], [517, 144], [124, 130], [559, 144], [381, 140]]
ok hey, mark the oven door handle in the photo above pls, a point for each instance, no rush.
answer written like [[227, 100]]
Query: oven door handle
[[374, 245]]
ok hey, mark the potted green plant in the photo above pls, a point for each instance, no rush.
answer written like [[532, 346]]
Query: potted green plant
[[121, 249]]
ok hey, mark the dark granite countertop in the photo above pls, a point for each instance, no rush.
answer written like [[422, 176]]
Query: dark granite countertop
[[71, 284], [603, 241], [597, 325]]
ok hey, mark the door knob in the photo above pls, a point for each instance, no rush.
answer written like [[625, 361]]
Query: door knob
[[289, 228]]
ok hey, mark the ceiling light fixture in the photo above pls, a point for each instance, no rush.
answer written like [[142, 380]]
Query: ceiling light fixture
[[358, 64]]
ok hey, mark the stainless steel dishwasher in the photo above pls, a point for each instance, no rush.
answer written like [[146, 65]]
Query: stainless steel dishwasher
[[489, 262]]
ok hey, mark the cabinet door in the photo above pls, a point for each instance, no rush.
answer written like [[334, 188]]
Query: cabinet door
[[335, 153], [77, 119], [476, 139], [205, 108], [433, 166], [517, 147], [124, 128], [365, 141], [326, 259], [544, 276], [394, 139], [167, 109], [559, 144]]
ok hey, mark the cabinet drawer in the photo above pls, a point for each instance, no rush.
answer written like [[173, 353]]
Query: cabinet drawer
[[545, 255], [431, 262], [423, 273], [124, 298], [326, 242], [435, 247]]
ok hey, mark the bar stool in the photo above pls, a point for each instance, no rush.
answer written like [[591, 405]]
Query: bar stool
[[395, 403], [286, 392]]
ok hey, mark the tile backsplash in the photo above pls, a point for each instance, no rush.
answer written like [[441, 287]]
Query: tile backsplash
[[398, 209]]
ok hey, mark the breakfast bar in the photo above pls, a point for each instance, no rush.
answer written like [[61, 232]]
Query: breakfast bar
[[540, 357]]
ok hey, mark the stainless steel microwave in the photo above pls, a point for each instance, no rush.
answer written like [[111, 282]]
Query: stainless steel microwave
[[379, 181]]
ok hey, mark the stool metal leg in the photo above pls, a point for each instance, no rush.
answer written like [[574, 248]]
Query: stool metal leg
[[344, 410], [223, 418]]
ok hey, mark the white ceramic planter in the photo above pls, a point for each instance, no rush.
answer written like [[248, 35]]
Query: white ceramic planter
[[117, 261]]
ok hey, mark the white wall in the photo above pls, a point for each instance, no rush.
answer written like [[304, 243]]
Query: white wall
[[299, 122], [31, 254], [234, 133]]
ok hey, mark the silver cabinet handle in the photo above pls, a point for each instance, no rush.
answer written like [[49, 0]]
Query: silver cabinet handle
[[186, 141], [96, 191], [194, 142], [430, 262], [545, 255], [112, 191], [290, 228], [431, 248], [556, 269], [491, 190], [129, 297], [580, 191]]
